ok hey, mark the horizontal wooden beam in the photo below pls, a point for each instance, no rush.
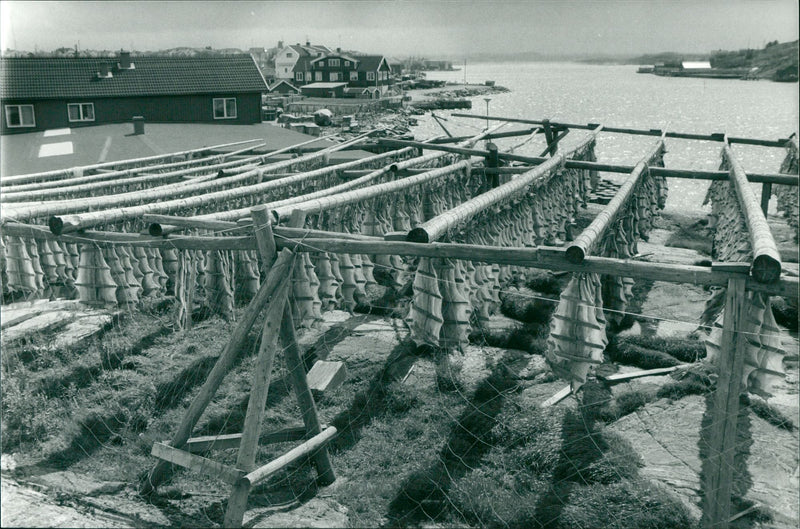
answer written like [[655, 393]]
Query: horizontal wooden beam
[[495, 136], [622, 377], [197, 463], [543, 257], [639, 132], [772, 178], [205, 443]]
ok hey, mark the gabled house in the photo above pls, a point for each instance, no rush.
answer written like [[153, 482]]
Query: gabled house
[[47, 93], [287, 57], [358, 71], [283, 87], [372, 71]]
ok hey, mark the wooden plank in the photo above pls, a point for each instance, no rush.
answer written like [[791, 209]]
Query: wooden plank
[[83, 328], [326, 376], [721, 434], [38, 324], [197, 463], [223, 442], [737, 268], [308, 448], [558, 397], [619, 377]]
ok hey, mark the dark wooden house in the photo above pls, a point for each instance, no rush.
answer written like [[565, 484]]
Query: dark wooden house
[[358, 71], [46, 93]]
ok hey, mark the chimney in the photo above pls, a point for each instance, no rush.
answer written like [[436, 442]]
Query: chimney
[[308, 43], [338, 50], [104, 71], [125, 60], [280, 44]]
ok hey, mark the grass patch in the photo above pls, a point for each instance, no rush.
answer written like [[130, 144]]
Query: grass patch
[[771, 414], [685, 350], [625, 404], [622, 351], [785, 312], [557, 468], [690, 234], [629, 503]]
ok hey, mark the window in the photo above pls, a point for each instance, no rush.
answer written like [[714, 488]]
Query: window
[[224, 108], [370, 76], [347, 63], [333, 62], [334, 76], [318, 76], [289, 55], [298, 76], [20, 116], [354, 76], [80, 111]]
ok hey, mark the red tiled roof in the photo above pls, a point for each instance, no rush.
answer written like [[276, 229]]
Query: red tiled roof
[[55, 78]]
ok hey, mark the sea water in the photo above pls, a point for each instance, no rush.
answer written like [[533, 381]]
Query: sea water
[[615, 95]]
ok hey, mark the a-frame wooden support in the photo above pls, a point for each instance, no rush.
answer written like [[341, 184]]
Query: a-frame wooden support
[[183, 451]]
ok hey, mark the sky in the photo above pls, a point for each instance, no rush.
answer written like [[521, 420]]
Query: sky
[[405, 27]]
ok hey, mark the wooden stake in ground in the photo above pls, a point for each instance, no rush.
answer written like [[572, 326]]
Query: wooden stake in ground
[[721, 436]]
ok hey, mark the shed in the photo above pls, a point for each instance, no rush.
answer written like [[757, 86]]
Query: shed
[[696, 65], [283, 87], [323, 89], [40, 93]]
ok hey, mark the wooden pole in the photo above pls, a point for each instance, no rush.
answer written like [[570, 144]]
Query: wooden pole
[[492, 162], [548, 136], [725, 413], [66, 173], [586, 241], [544, 257], [265, 240], [775, 178], [766, 258], [434, 228], [766, 194], [357, 195], [237, 503], [641, 132], [498, 135], [157, 197], [278, 274], [106, 175], [297, 374], [554, 144]]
